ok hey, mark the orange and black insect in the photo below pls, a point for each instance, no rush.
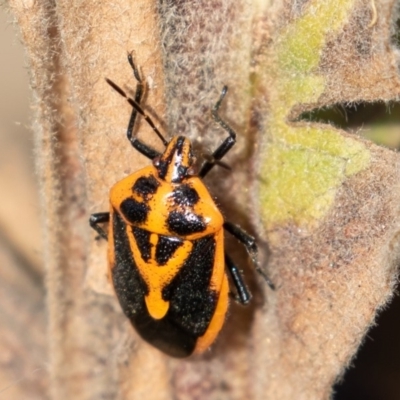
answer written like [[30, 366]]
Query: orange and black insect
[[166, 242]]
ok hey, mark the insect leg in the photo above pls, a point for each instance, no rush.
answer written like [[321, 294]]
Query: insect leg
[[226, 145], [99, 218], [242, 293], [251, 247]]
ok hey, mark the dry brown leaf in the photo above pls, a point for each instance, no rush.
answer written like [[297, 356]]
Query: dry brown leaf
[[326, 202]]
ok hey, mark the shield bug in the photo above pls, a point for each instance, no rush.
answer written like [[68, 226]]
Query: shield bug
[[166, 242]]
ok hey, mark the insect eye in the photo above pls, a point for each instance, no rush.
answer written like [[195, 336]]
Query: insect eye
[[156, 161], [191, 171], [182, 171]]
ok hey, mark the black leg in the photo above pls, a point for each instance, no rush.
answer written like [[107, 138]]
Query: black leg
[[136, 108], [242, 293], [251, 247], [226, 145], [99, 218]]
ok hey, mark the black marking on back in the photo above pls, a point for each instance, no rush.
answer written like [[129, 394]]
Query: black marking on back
[[134, 211], [125, 274], [185, 223], [192, 302], [185, 195], [165, 163], [142, 239], [182, 170], [166, 247], [146, 186], [179, 145]]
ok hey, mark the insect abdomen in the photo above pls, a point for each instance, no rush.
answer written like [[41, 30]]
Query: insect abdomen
[[191, 300]]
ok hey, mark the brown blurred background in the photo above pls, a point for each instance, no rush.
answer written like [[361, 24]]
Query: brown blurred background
[[23, 360]]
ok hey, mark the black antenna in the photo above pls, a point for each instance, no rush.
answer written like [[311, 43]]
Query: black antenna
[[138, 109]]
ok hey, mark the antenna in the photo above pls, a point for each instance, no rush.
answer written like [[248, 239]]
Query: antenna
[[139, 109]]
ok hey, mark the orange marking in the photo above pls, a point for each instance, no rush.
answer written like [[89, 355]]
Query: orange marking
[[217, 320], [157, 277], [219, 262]]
